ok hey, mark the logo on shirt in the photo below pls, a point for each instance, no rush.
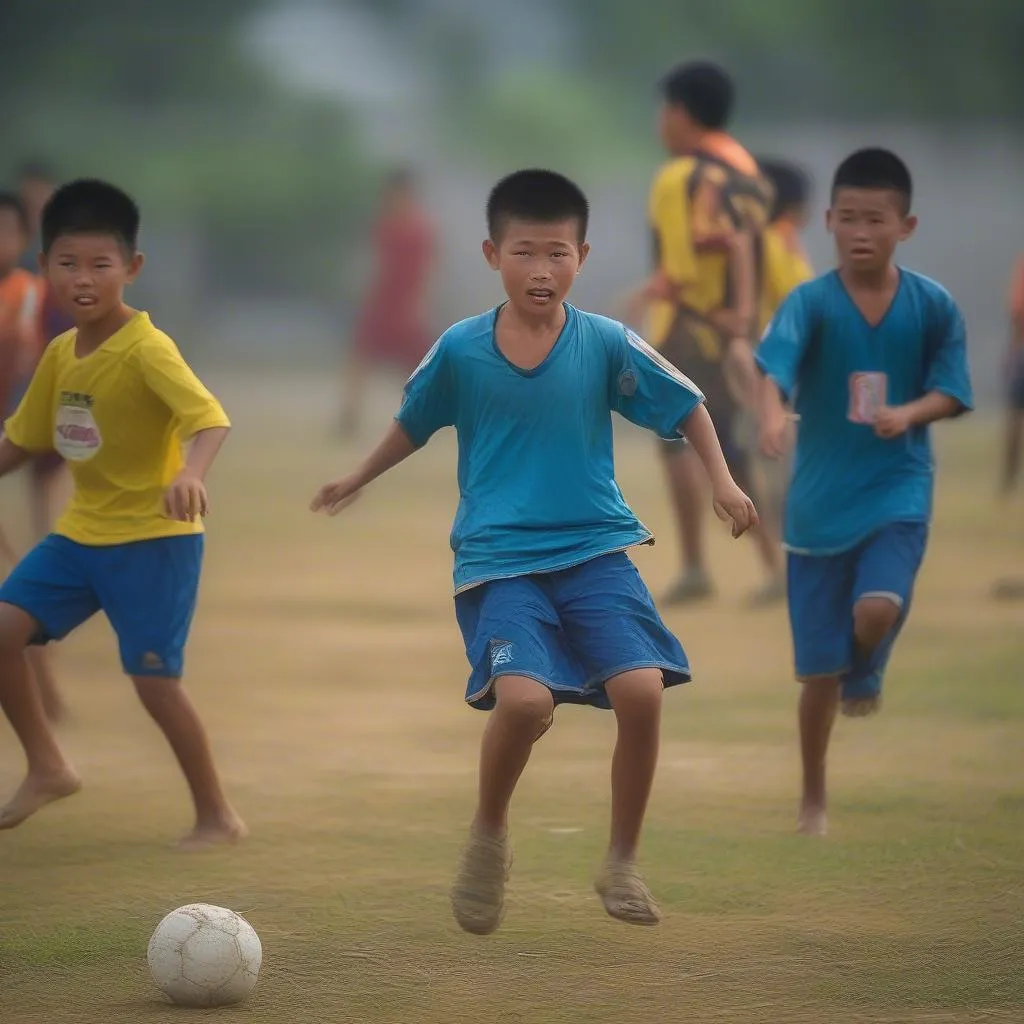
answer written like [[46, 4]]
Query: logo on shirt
[[76, 435], [867, 396], [627, 383], [501, 653]]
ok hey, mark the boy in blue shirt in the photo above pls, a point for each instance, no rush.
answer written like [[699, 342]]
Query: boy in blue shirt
[[869, 355], [551, 609]]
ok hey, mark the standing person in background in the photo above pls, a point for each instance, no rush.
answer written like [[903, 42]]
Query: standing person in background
[[1015, 379], [708, 208], [393, 326], [36, 183]]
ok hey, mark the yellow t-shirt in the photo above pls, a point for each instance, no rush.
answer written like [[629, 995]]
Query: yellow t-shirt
[[118, 417], [785, 266], [694, 197]]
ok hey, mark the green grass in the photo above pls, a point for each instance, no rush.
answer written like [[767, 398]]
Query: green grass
[[328, 666]]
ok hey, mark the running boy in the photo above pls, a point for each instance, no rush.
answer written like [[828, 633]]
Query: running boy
[[870, 354], [115, 398], [551, 609]]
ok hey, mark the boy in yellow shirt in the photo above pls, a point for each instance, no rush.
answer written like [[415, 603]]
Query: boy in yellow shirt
[[116, 400]]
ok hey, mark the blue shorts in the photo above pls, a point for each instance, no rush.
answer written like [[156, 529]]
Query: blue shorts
[[571, 630], [146, 588], [823, 590]]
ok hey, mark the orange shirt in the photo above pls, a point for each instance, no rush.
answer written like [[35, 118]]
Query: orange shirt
[[21, 295]]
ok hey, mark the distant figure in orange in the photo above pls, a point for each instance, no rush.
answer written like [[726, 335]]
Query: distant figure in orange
[[393, 326]]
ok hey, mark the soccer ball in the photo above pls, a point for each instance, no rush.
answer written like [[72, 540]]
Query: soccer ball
[[202, 955]]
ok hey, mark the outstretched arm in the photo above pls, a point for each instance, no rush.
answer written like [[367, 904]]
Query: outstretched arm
[[730, 502], [394, 447]]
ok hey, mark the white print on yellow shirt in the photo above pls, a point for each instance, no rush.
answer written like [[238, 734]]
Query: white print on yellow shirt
[[76, 435]]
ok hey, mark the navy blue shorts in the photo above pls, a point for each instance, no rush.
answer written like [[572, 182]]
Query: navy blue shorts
[[571, 630], [823, 590], [147, 589]]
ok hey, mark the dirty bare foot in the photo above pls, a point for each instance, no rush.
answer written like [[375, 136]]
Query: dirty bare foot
[[36, 792]]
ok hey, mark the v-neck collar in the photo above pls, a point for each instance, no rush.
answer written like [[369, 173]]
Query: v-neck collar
[[547, 360], [888, 310]]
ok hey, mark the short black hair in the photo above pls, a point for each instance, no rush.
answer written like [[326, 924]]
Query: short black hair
[[12, 201], [790, 182], [704, 89], [875, 168], [536, 195], [89, 206]]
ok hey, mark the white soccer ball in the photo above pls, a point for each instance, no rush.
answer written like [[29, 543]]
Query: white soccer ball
[[202, 955]]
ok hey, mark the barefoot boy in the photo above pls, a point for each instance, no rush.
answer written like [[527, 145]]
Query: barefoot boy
[[869, 354], [115, 398]]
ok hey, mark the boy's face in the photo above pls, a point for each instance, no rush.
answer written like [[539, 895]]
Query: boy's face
[[868, 224], [538, 262], [88, 274], [13, 239]]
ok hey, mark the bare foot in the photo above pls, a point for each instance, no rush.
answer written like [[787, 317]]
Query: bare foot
[[35, 793], [625, 895], [478, 893], [862, 707], [813, 821], [225, 832]]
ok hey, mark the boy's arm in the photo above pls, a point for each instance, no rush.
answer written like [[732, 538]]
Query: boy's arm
[[394, 447], [730, 502], [429, 405], [11, 456]]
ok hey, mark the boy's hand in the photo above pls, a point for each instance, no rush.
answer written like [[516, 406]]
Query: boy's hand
[[337, 495], [732, 504], [776, 434], [892, 421], [186, 498]]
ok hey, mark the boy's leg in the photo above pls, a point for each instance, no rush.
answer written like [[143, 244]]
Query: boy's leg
[[820, 596], [148, 590], [522, 714], [819, 701], [169, 706], [40, 660], [887, 568], [628, 656], [636, 700]]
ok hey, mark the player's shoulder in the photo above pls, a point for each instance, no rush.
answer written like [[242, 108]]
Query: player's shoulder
[[674, 170], [816, 292], [927, 289], [467, 333]]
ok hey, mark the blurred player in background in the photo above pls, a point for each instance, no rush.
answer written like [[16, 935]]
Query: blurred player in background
[[47, 478], [551, 608], [784, 266], [870, 355], [21, 299], [708, 208], [393, 327], [1015, 381], [116, 399]]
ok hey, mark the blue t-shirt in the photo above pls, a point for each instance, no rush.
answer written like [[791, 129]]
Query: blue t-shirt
[[837, 369], [536, 469]]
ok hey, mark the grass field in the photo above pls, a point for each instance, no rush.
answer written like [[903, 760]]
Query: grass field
[[328, 665]]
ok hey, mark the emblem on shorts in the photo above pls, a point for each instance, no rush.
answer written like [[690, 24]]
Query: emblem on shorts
[[501, 653], [152, 661], [627, 383]]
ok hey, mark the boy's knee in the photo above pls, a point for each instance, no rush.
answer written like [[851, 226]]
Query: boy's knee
[[17, 628], [636, 694], [524, 701], [873, 619], [157, 691]]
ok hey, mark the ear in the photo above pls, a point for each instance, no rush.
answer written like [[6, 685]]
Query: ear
[[584, 253], [42, 260], [909, 227], [135, 265], [828, 220], [490, 251]]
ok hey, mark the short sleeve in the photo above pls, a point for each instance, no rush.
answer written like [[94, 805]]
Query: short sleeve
[[646, 389], [429, 398], [948, 371], [171, 379], [31, 425], [785, 341]]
